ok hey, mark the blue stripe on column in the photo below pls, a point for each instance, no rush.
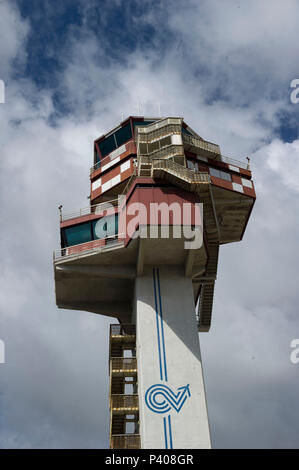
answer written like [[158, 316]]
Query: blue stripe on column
[[162, 327], [165, 433], [161, 350], [157, 323], [170, 432]]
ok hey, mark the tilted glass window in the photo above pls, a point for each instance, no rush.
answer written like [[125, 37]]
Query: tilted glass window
[[214, 172], [123, 135], [88, 231], [185, 131], [107, 145], [225, 176], [78, 234], [220, 174]]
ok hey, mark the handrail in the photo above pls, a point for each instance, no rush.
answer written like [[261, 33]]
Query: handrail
[[158, 124], [92, 245], [214, 148], [126, 147], [158, 134], [95, 166], [94, 209], [181, 171], [169, 151], [203, 144], [234, 162]]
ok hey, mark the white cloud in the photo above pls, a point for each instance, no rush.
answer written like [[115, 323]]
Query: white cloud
[[14, 31], [283, 161]]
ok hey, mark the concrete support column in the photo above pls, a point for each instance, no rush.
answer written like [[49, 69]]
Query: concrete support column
[[172, 405]]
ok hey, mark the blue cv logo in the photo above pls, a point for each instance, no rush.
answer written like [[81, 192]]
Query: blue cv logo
[[160, 398]]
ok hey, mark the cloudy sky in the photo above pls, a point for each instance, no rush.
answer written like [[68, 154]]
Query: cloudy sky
[[71, 69]]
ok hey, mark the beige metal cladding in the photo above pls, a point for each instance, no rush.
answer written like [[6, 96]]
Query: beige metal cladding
[[125, 441], [122, 330], [157, 134], [200, 146], [180, 171], [124, 403], [123, 364], [162, 139], [158, 129], [170, 151], [124, 407]]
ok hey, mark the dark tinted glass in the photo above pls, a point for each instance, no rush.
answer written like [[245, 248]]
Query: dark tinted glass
[[225, 176], [107, 145], [123, 134], [78, 234], [142, 123], [185, 131]]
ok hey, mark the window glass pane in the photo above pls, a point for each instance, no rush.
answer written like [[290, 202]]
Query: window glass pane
[[225, 176], [185, 131], [78, 234], [215, 172], [107, 145], [123, 134]]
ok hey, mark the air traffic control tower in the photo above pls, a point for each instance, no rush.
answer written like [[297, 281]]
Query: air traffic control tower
[[129, 258]]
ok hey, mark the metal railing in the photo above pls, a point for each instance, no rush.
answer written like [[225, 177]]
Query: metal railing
[[201, 144], [234, 162], [123, 330], [123, 364], [157, 134], [158, 125], [95, 166], [124, 402], [181, 171], [87, 247], [130, 181], [165, 152], [128, 147], [125, 441], [94, 209], [214, 148]]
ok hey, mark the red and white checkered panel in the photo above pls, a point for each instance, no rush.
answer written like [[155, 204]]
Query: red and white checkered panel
[[238, 184], [114, 169], [109, 179], [75, 249], [240, 178]]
